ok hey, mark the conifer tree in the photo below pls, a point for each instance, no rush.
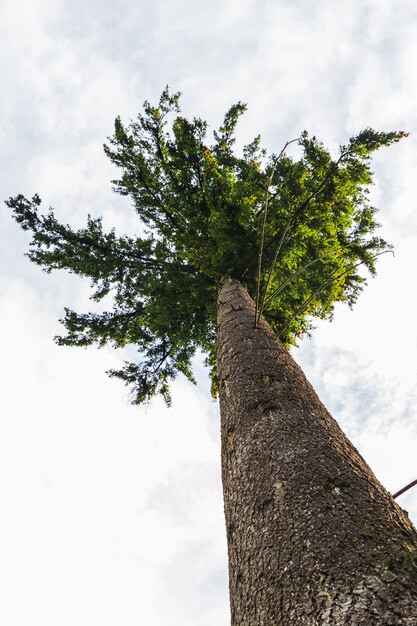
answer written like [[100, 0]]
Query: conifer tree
[[237, 255]]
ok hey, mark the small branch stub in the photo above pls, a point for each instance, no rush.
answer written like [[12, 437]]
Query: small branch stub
[[404, 489]]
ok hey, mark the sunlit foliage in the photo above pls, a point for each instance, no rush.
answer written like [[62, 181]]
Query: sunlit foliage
[[297, 232]]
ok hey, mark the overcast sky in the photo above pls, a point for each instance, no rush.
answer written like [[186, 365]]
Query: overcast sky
[[112, 514]]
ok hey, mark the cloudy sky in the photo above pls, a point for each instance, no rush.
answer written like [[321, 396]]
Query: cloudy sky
[[112, 514]]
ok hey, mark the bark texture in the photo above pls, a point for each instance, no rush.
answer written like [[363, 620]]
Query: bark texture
[[314, 539]]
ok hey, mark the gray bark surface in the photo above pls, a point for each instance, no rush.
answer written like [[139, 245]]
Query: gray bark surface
[[313, 538]]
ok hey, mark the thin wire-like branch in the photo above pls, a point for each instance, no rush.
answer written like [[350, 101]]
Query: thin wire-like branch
[[333, 168], [404, 489], [265, 208], [261, 247], [323, 285], [274, 261], [293, 217], [291, 278], [276, 161], [261, 243]]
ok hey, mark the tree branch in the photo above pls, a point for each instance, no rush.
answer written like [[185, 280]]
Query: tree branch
[[261, 245], [404, 489], [323, 286]]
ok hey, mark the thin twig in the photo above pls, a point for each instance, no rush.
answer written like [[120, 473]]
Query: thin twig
[[276, 161], [292, 276], [261, 246], [292, 218], [261, 243], [303, 205], [271, 269], [323, 285]]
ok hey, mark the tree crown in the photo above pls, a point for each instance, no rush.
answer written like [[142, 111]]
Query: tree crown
[[295, 232]]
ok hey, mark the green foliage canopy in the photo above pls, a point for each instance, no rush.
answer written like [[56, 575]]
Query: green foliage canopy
[[295, 232]]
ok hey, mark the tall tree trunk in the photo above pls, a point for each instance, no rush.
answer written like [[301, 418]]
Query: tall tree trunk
[[313, 538]]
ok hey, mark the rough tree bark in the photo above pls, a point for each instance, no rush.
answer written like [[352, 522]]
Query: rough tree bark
[[313, 538]]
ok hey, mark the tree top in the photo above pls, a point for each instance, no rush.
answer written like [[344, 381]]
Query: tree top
[[296, 232]]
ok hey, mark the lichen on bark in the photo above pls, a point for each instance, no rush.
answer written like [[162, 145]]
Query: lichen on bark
[[314, 539]]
